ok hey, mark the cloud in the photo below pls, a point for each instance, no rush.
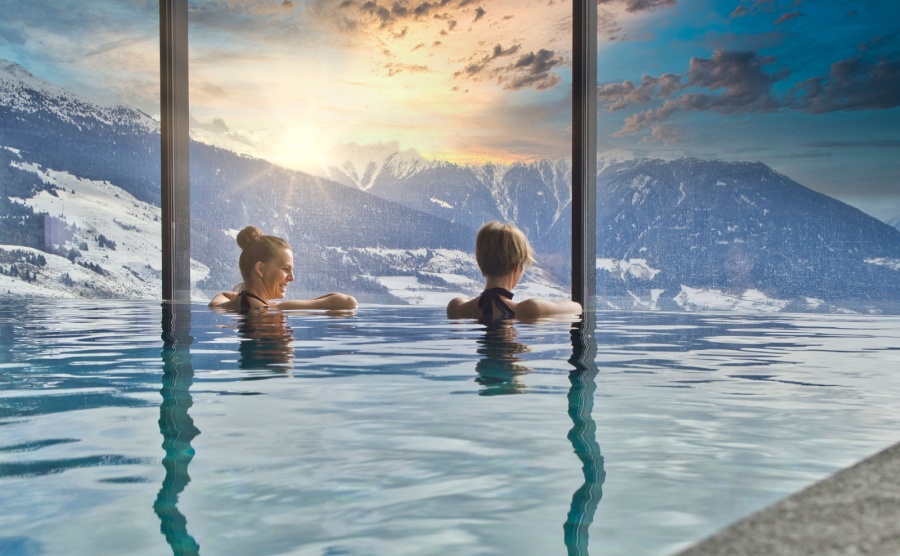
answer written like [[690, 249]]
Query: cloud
[[218, 127], [398, 12], [727, 83], [798, 156], [620, 95], [666, 134], [11, 35], [877, 42], [111, 46], [740, 75], [739, 83], [851, 84], [531, 70], [640, 5], [787, 17], [396, 21], [608, 25], [874, 144], [395, 68], [611, 13], [755, 7], [475, 68]]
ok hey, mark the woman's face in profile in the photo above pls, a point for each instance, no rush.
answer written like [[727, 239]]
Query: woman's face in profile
[[278, 273]]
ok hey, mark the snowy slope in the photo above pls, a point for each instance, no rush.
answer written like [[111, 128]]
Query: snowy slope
[[113, 241], [434, 276]]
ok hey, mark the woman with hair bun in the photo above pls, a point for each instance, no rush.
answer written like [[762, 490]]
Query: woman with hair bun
[[267, 266]]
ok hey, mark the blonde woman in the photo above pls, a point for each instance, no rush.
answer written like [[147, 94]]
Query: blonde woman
[[503, 254], [267, 266]]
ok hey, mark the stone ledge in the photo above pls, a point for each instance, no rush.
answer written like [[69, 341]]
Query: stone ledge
[[855, 511]]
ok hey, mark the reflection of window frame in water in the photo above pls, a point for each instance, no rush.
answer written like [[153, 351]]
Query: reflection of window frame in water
[[583, 436], [176, 426], [498, 370]]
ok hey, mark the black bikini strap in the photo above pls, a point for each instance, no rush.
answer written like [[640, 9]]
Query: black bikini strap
[[245, 305], [494, 296]]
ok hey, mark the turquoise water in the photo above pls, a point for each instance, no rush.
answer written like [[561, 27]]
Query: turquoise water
[[155, 430]]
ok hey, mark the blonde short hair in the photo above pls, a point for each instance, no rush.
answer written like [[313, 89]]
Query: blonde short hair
[[500, 248]]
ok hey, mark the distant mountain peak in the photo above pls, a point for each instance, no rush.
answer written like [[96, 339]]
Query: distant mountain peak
[[359, 166], [23, 92]]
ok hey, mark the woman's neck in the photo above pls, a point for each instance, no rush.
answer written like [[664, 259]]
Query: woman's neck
[[507, 282], [256, 290]]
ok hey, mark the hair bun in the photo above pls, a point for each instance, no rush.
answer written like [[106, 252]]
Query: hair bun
[[248, 235]]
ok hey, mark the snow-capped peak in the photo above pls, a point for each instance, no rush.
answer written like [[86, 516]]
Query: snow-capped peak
[[22, 91], [359, 165]]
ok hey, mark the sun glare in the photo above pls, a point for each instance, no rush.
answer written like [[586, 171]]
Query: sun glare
[[444, 86]]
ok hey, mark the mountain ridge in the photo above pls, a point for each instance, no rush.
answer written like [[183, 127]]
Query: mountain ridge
[[330, 226], [392, 226]]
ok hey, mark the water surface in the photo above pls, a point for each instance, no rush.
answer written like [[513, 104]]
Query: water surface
[[174, 429]]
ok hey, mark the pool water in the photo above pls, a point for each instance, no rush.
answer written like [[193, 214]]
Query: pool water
[[135, 428]]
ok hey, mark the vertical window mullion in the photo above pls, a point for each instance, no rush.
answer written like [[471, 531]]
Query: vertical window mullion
[[174, 158], [584, 151]]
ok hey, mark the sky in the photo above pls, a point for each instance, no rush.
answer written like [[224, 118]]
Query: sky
[[809, 87]]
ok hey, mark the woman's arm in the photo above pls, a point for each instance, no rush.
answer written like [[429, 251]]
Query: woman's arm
[[330, 301], [535, 307]]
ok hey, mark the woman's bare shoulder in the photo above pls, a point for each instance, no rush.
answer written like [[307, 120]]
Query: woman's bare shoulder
[[462, 308], [537, 307], [224, 300]]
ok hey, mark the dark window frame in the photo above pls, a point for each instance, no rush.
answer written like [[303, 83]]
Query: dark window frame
[[175, 201], [584, 152], [175, 143]]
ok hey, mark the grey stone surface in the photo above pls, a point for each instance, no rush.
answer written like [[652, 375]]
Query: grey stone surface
[[855, 511]]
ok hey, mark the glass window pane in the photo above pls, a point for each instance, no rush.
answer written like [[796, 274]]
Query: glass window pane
[[748, 158], [377, 138], [79, 149]]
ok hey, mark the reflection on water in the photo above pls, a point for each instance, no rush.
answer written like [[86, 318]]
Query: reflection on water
[[384, 439], [499, 371], [176, 426], [583, 436], [500, 364], [266, 341]]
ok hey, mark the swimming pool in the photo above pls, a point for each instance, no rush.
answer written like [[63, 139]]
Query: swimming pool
[[396, 431]]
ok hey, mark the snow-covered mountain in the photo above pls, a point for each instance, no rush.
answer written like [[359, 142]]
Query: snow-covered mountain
[[895, 221], [26, 94], [79, 197], [73, 172], [61, 130], [537, 196], [678, 233], [734, 227], [360, 165], [96, 240]]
